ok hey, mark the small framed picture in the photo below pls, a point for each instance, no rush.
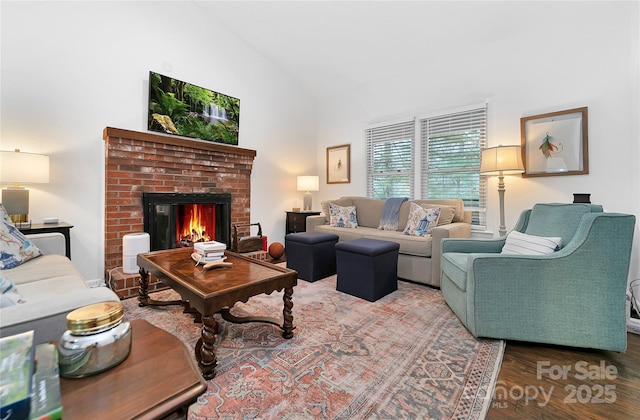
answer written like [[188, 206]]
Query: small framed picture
[[338, 164], [555, 143]]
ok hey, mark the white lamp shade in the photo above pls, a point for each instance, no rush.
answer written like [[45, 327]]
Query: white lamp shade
[[308, 183], [501, 160], [23, 168]]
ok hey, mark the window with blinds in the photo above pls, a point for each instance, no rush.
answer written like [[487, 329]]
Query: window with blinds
[[450, 149], [449, 156], [390, 159]]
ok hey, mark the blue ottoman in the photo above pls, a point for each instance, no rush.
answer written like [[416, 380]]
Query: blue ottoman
[[367, 268], [311, 254]]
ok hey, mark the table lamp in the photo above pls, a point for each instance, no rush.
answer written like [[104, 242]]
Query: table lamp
[[501, 160], [308, 183], [17, 168]]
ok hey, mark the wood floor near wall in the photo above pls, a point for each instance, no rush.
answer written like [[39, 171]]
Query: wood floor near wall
[[550, 382]]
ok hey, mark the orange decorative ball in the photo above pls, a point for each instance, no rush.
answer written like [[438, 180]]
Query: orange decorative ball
[[276, 250]]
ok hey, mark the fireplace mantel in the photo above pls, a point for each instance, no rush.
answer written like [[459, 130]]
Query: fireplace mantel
[[176, 141], [142, 162]]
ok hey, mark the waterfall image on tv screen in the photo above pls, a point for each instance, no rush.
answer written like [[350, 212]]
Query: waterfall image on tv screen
[[180, 108]]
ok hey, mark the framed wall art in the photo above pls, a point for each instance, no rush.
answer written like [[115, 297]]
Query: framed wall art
[[555, 143], [184, 109], [339, 164]]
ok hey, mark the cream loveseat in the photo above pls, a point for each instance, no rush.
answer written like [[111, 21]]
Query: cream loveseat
[[419, 256], [51, 287]]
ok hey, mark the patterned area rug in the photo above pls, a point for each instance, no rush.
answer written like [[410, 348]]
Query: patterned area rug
[[404, 356]]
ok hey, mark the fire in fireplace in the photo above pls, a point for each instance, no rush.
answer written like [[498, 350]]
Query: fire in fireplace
[[180, 219], [195, 223]]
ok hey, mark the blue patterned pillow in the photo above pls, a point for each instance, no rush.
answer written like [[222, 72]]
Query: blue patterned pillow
[[16, 248], [421, 221], [342, 216]]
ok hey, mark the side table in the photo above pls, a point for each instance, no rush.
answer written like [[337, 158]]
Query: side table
[[297, 221], [60, 227], [158, 378]]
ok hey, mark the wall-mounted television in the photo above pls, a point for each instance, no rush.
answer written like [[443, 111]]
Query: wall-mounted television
[[180, 108]]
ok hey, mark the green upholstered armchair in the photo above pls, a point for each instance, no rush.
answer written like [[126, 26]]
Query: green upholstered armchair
[[573, 297]]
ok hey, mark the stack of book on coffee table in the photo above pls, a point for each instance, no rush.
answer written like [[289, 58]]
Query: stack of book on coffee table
[[210, 251]]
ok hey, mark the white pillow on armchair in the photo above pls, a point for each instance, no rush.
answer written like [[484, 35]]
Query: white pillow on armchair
[[523, 244]]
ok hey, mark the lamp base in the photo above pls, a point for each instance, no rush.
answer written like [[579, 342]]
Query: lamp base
[[19, 219], [23, 225], [502, 229], [16, 202], [306, 201]]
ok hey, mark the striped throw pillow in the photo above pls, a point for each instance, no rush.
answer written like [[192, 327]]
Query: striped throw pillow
[[523, 244]]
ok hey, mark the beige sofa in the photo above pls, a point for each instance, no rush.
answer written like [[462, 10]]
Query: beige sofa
[[52, 287], [419, 257]]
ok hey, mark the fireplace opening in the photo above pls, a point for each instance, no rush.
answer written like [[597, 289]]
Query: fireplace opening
[[179, 219], [195, 223]]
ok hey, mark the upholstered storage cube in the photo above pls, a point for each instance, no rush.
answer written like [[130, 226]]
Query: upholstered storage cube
[[367, 268], [311, 254]]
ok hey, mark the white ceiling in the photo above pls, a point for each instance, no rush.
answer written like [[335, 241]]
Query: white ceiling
[[333, 47]]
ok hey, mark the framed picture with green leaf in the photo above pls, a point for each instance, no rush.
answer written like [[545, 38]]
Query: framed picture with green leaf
[[555, 143]]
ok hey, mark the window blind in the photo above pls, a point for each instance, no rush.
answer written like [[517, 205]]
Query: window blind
[[450, 153], [390, 151]]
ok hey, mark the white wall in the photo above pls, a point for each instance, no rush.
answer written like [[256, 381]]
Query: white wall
[[562, 56], [70, 69]]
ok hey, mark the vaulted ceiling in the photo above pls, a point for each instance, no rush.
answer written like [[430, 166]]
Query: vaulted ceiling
[[338, 46]]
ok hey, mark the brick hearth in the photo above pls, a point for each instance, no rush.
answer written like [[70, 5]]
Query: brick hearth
[[137, 162]]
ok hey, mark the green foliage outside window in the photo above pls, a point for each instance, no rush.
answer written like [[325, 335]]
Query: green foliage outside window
[[449, 155]]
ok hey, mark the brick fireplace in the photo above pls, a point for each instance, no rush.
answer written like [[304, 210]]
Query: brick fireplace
[[137, 163]]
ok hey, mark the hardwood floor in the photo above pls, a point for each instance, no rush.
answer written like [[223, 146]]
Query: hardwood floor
[[552, 382]]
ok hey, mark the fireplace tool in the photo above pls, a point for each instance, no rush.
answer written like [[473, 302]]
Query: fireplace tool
[[246, 243]]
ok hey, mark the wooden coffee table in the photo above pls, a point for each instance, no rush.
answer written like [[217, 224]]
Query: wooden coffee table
[[216, 291], [156, 379]]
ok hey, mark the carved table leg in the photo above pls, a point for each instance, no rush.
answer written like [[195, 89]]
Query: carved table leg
[[205, 354], [287, 326], [143, 293], [143, 296]]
